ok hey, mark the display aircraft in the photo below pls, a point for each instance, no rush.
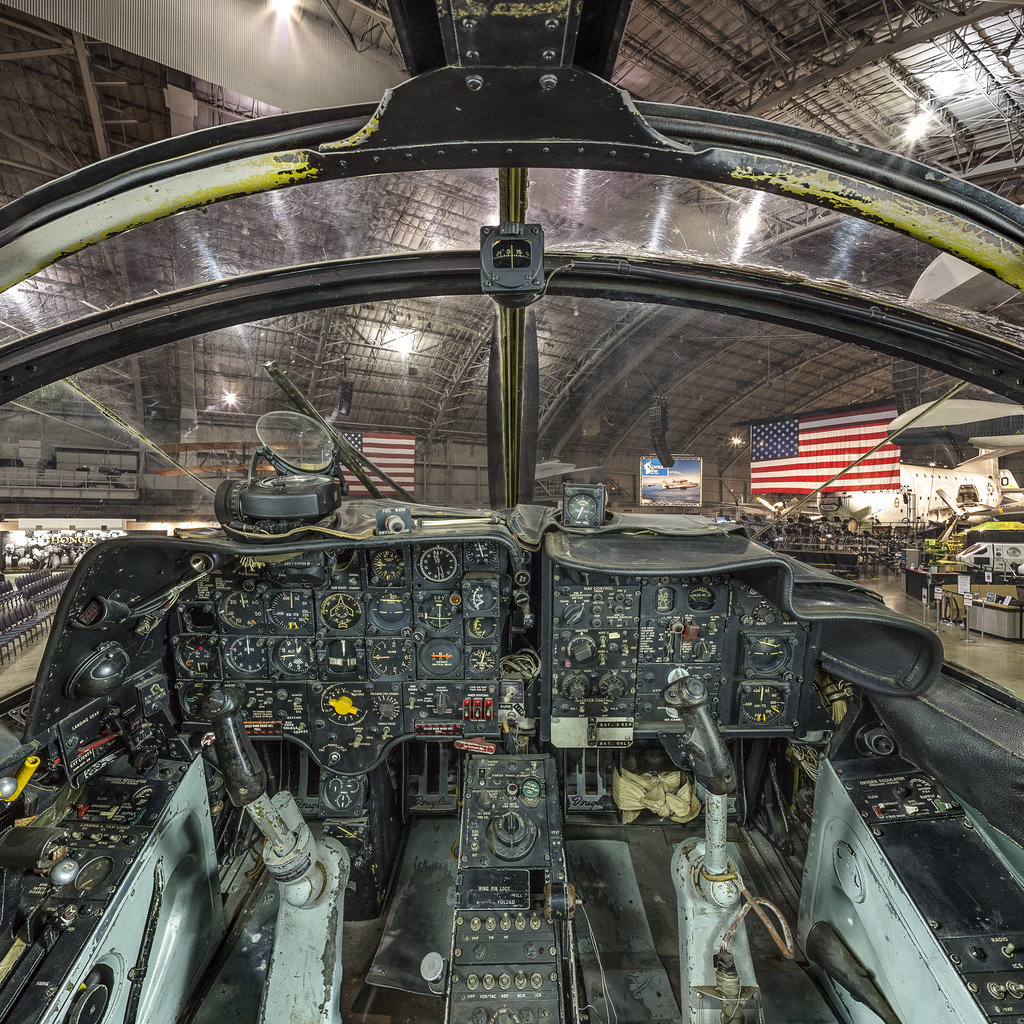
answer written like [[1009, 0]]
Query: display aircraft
[[347, 760]]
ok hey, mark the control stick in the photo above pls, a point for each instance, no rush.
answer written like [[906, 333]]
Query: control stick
[[304, 977]]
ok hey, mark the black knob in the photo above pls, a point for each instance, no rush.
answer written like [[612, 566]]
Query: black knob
[[581, 648]]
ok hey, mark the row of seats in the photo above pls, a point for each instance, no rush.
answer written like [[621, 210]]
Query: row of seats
[[20, 620], [43, 587], [6, 586]]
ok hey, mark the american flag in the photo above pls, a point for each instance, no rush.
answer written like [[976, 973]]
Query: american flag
[[797, 456], [394, 453]]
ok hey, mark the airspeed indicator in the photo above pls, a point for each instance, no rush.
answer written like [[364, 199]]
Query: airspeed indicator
[[762, 703]]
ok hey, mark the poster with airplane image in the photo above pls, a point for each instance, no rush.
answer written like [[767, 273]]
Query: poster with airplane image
[[680, 485]]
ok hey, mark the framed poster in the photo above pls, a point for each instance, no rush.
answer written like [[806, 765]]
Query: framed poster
[[680, 486]]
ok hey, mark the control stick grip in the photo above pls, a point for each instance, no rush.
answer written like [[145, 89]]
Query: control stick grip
[[244, 777]]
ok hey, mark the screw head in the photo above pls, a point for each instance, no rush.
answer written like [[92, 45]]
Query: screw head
[[474, 82]]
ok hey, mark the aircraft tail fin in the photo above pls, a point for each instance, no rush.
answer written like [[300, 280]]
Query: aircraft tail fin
[[1008, 483]]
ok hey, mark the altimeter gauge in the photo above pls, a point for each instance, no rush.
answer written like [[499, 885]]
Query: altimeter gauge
[[246, 656], [762, 703], [293, 656]]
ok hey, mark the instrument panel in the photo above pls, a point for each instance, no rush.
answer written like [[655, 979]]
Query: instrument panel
[[348, 651], [614, 643]]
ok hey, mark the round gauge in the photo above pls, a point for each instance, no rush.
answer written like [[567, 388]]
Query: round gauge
[[764, 612], [390, 657], [340, 611], [581, 510], [196, 654], [391, 611], [292, 610], [701, 599], [94, 873], [482, 552], [664, 599], [479, 597], [294, 656], [246, 656], [762, 702], [482, 660], [480, 628], [386, 708], [242, 610], [437, 612], [611, 685], [440, 657], [765, 653], [387, 565], [438, 564], [345, 704]]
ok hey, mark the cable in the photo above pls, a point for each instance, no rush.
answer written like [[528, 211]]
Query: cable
[[755, 903], [610, 1010]]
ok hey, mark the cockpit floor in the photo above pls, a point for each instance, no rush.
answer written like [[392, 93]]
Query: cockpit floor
[[628, 908]]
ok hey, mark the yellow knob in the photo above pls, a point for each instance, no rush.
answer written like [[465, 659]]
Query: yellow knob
[[343, 705]]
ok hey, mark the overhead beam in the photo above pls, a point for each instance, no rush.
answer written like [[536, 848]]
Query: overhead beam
[[90, 96], [867, 55]]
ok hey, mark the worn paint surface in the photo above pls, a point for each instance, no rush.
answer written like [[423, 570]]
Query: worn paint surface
[[48, 244], [927, 223], [506, 9]]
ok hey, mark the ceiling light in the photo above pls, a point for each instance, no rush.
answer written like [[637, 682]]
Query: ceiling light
[[403, 345], [284, 8], [737, 440], [920, 124], [230, 398]]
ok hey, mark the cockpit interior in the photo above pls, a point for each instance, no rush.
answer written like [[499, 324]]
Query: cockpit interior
[[346, 755]]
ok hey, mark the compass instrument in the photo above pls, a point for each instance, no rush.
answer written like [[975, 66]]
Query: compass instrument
[[340, 610]]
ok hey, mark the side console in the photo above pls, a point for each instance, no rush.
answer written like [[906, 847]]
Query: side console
[[511, 957], [955, 915]]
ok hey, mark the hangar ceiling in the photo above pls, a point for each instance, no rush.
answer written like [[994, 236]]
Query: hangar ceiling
[[942, 82]]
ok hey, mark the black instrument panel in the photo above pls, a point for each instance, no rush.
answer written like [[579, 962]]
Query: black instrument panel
[[614, 643], [347, 651]]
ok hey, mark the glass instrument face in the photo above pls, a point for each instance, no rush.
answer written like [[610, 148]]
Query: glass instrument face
[[242, 610], [480, 628], [387, 566], [511, 254], [438, 612], [392, 610], [482, 661], [196, 654], [765, 654], [701, 599], [482, 552], [294, 656], [762, 703], [390, 657], [438, 564], [581, 510], [340, 611], [246, 656], [292, 610]]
